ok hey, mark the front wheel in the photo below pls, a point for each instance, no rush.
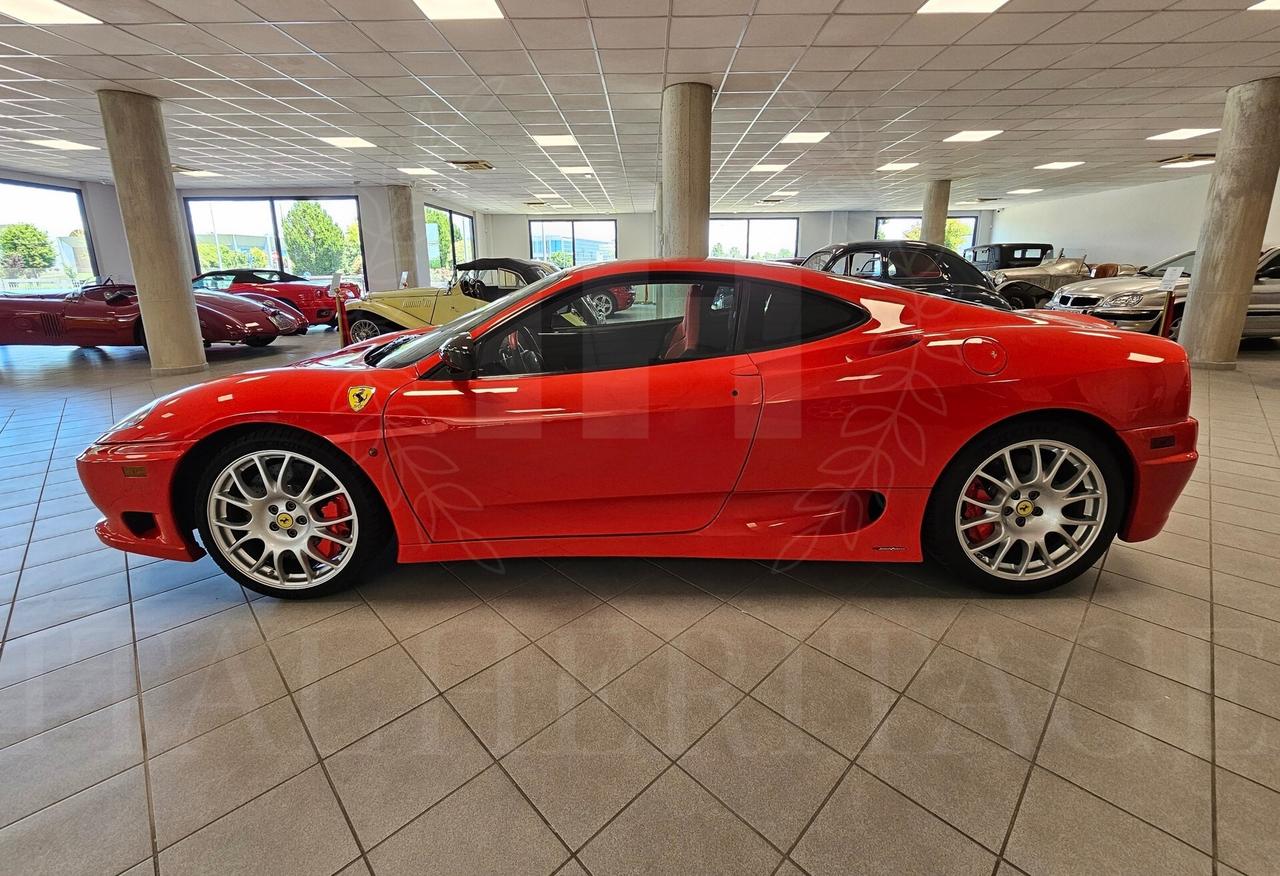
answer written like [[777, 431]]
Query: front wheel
[[1027, 507], [603, 304], [289, 518], [367, 327]]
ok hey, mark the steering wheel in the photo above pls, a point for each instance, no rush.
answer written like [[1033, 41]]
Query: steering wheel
[[519, 352]]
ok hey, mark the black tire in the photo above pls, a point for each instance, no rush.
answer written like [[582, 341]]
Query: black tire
[[942, 540], [260, 341], [1021, 297], [382, 326], [375, 535]]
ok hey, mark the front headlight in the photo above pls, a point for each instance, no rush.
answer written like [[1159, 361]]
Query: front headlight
[[128, 422], [997, 277], [1124, 299]]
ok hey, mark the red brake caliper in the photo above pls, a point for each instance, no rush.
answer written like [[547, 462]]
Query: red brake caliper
[[982, 532], [336, 507]]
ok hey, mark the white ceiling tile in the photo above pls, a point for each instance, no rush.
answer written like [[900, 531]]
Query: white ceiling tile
[[414, 35], [197, 11], [554, 33]]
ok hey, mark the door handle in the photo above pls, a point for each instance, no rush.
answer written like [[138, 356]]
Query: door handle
[[747, 370]]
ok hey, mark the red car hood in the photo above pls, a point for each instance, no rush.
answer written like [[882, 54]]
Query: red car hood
[[230, 305]]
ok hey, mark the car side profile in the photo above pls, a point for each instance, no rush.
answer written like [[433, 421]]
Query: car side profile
[[313, 299], [747, 409]]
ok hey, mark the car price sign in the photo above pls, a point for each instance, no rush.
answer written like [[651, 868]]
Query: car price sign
[[1169, 281]]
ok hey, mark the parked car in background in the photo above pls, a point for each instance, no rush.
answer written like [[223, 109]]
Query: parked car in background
[[473, 285], [1137, 302], [910, 264], [994, 256], [1033, 286], [102, 313], [313, 299]]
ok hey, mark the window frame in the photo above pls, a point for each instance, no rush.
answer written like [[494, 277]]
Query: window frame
[[275, 227], [84, 215], [973, 238], [453, 243], [795, 247], [748, 291], [573, 239]]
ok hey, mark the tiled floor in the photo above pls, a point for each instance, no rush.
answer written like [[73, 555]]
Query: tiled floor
[[621, 716]]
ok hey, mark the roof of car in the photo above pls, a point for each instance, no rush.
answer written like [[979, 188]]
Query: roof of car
[[907, 244], [491, 264]]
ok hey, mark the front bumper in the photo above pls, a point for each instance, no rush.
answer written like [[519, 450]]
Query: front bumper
[[1134, 319], [1163, 459], [132, 485]]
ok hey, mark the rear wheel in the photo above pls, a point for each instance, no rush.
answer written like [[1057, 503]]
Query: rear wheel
[[603, 304], [260, 340], [289, 518], [1027, 507]]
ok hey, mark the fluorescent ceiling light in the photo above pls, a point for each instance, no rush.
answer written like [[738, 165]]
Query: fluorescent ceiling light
[[961, 6], [1184, 133], [418, 171], [805, 137], [65, 145], [971, 136], [1265, 6], [1184, 165], [348, 142], [446, 10], [555, 139], [785, 194], [1058, 165], [200, 173], [1023, 191], [44, 12], [576, 169], [769, 168], [898, 165]]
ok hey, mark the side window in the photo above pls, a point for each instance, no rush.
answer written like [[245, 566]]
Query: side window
[[215, 282], [867, 265], [913, 264], [644, 323], [778, 316], [265, 276], [817, 260]]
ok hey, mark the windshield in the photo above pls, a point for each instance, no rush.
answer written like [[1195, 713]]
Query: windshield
[[1187, 261], [407, 350]]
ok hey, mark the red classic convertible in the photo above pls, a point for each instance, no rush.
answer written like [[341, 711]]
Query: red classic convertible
[[752, 410], [103, 313], [314, 300]]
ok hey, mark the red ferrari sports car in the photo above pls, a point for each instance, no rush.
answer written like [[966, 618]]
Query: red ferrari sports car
[[763, 411], [103, 313], [314, 300]]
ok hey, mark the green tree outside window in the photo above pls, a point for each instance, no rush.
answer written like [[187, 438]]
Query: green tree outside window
[[313, 242], [25, 248]]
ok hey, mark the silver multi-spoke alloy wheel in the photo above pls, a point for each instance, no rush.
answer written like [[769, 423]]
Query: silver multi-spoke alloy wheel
[[282, 519], [363, 329], [602, 304], [1031, 510]]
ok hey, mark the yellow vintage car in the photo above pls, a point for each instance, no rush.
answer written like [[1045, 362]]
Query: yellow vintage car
[[474, 283]]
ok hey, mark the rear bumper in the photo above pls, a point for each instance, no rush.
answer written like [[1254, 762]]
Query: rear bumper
[[131, 484], [1164, 458]]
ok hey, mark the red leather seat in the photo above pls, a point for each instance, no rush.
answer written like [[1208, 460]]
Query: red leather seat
[[685, 334]]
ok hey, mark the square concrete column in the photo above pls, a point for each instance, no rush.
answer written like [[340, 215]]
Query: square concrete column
[[685, 200], [1235, 220], [155, 230], [937, 201], [400, 200]]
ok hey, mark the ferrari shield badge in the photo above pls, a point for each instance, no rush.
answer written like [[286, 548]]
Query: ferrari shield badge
[[358, 397]]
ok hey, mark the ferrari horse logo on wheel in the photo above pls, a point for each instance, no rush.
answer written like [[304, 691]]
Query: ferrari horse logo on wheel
[[358, 397]]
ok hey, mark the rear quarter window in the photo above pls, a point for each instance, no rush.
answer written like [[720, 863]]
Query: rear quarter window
[[780, 316]]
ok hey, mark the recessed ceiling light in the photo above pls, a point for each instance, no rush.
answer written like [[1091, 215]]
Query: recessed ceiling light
[[1184, 133], [971, 136], [898, 165], [348, 142], [961, 6], [1023, 191], [418, 171], [805, 137], [1058, 165], [201, 173], [1265, 6], [576, 169], [446, 10], [44, 12], [555, 139], [65, 145], [769, 168], [785, 194]]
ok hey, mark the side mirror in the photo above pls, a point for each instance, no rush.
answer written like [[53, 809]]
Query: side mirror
[[459, 355]]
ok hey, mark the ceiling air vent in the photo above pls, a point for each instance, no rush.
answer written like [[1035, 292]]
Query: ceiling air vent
[[535, 203], [985, 200], [763, 202], [472, 165]]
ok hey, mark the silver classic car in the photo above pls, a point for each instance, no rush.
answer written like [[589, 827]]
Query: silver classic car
[[1136, 303], [1032, 286]]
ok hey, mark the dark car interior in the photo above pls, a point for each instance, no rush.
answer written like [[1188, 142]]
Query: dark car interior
[[1008, 255]]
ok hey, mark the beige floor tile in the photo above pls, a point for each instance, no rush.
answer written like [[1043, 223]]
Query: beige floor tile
[[1247, 633], [1159, 605], [515, 698], [391, 776], [868, 827], [985, 699], [606, 577], [67, 643], [1062, 829], [1247, 681], [722, 578], [583, 769], [1247, 817], [1159, 783], [66, 603], [670, 699], [1158, 649], [786, 604], [412, 598], [1248, 743], [344, 706], [162, 576], [1253, 597], [837, 704], [909, 603], [172, 608], [279, 617], [1172, 574], [677, 827], [35, 705], [1051, 612], [204, 779], [334, 643], [965, 779], [463, 645], [543, 604], [1031, 654], [666, 606], [187, 648], [599, 646], [1246, 564], [889, 653], [735, 646], [485, 828], [295, 828], [492, 578]]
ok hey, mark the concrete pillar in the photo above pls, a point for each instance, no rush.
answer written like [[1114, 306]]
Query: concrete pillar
[[937, 200], [686, 170], [1235, 219], [403, 249], [154, 228]]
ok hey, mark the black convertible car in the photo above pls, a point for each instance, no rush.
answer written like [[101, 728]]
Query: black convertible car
[[910, 264]]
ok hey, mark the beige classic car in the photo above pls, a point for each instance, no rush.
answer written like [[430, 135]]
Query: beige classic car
[[1033, 286]]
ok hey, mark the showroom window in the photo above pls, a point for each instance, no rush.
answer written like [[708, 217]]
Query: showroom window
[[961, 233], [569, 242], [761, 239], [451, 239], [44, 238], [310, 237]]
